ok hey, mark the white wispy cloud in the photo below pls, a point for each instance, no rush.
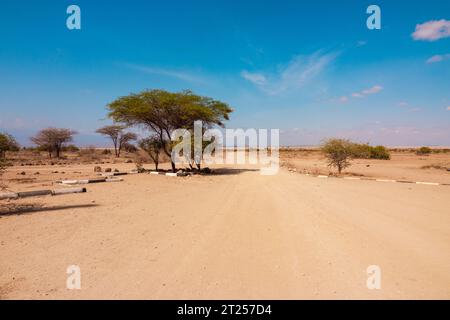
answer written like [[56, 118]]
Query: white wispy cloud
[[357, 95], [373, 90], [432, 30], [166, 72], [438, 58], [366, 92], [361, 43], [255, 78], [405, 105], [298, 72]]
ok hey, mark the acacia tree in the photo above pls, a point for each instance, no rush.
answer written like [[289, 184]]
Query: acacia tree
[[53, 139], [118, 136], [7, 143], [338, 152], [153, 146], [162, 112]]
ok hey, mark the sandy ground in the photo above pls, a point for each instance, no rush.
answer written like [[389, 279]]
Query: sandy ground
[[402, 166], [232, 235]]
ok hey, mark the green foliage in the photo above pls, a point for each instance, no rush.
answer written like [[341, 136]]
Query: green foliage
[[379, 152], [164, 111], [424, 151], [338, 152], [7, 143], [361, 150], [365, 151]]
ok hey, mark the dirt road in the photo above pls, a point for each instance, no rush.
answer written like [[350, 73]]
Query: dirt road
[[235, 235]]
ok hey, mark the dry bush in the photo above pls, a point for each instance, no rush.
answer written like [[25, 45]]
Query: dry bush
[[89, 154], [423, 151], [53, 140], [3, 165], [140, 157]]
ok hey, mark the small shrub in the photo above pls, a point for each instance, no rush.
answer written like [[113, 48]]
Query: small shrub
[[338, 152], [379, 152], [139, 163], [424, 151], [361, 150], [365, 151], [70, 148], [3, 165]]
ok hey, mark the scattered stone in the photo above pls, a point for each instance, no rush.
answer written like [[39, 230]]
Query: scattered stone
[[97, 169], [108, 170], [23, 173], [36, 173], [129, 161], [116, 170]]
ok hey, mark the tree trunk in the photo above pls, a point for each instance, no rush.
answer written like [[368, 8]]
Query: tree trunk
[[116, 152], [156, 166]]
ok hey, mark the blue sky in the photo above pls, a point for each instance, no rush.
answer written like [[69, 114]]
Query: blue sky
[[311, 69]]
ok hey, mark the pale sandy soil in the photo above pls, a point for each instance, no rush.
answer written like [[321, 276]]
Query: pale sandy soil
[[233, 235], [402, 166]]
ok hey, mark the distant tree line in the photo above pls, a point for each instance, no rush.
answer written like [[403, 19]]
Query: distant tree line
[[159, 112]]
